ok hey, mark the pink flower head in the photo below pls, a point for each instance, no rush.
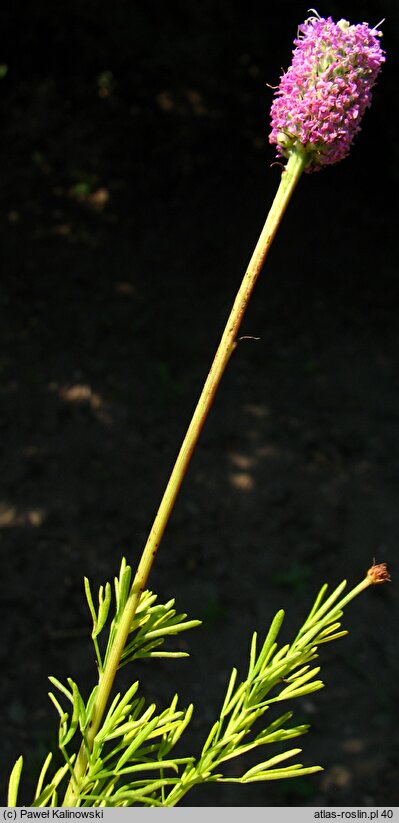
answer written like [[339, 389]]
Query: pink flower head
[[322, 97]]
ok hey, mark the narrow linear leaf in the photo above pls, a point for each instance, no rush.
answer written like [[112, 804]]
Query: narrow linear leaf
[[124, 588], [275, 726], [76, 715], [111, 716], [132, 726], [300, 681], [142, 735], [50, 790], [43, 774], [146, 600], [154, 766], [282, 734], [252, 654], [283, 774], [229, 692], [278, 758], [212, 737], [293, 676], [124, 706], [309, 637], [168, 654], [321, 612], [89, 706], [63, 714], [104, 604], [281, 654], [173, 629], [332, 627], [13, 784], [60, 686], [237, 697], [333, 636], [89, 599], [307, 689], [42, 799], [183, 725], [224, 749], [275, 737], [269, 641], [317, 603]]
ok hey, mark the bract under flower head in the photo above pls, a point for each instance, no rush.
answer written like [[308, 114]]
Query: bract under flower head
[[322, 97]]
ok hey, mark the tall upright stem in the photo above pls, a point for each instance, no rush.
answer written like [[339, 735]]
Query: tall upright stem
[[289, 180]]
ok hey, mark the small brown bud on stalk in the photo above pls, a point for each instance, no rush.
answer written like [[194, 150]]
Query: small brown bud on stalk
[[378, 573]]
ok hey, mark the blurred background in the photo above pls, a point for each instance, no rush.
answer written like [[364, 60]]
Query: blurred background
[[136, 174]]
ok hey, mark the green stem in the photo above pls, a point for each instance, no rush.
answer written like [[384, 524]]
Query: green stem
[[364, 584], [289, 180]]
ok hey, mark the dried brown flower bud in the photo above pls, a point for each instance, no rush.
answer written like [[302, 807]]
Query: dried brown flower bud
[[378, 573]]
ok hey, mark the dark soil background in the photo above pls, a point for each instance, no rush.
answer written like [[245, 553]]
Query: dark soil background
[[136, 175]]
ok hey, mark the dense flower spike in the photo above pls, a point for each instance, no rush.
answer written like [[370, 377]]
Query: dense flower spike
[[322, 97]]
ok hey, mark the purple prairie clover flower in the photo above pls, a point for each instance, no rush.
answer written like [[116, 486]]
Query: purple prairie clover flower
[[322, 97]]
